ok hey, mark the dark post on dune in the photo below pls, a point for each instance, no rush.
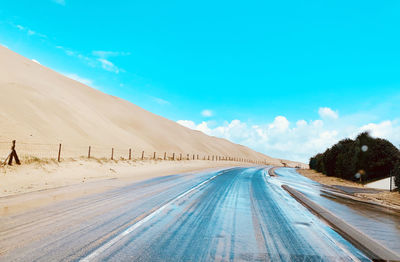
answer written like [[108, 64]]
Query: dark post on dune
[[13, 155], [59, 153]]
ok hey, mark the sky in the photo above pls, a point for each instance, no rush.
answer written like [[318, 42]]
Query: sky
[[286, 78]]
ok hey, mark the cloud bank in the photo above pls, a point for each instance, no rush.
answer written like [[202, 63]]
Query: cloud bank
[[296, 140]]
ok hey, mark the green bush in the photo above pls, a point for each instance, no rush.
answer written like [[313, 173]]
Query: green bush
[[374, 157]]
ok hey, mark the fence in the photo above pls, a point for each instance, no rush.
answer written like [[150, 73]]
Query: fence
[[30, 152]]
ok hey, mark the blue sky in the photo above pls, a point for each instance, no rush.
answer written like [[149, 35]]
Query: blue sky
[[229, 68]]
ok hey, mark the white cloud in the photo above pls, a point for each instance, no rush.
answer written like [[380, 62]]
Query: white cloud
[[160, 101], [60, 2], [299, 141], [187, 123], [207, 113], [29, 31], [98, 61], [75, 77], [327, 113], [280, 124], [105, 54], [389, 130], [108, 65]]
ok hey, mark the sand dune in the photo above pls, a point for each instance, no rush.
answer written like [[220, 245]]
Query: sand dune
[[39, 105]]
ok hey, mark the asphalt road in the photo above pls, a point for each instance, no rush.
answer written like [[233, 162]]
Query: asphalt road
[[234, 214]]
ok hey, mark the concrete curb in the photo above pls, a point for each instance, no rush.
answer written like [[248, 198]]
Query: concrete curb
[[271, 171], [372, 248], [355, 198]]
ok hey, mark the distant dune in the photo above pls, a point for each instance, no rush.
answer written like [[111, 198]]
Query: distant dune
[[39, 105]]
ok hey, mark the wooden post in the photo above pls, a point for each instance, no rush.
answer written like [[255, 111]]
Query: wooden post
[[180, 156], [154, 156], [193, 156], [173, 156], [130, 154], [59, 153], [112, 153], [208, 157], [88, 154], [165, 155], [197, 156], [142, 155], [188, 157]]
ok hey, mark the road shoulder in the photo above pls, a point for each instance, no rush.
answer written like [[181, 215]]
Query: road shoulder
[[29, 187], [371, 247]]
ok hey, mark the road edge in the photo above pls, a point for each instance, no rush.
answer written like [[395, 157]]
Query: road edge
[[344, 195], [372, 248], [358, 199]]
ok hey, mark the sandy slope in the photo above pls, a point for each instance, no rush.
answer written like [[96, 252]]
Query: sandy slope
[[42, 106]]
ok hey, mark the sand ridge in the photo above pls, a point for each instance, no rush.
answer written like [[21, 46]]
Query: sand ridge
[[39, 105]]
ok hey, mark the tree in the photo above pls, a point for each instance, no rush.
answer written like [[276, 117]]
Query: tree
[[374, 157], [346, 160], [377, 156]]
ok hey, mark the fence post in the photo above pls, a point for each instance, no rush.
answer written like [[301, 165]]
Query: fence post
[[193, 156], [188, 157], [165, 155], [142, 155], [130, 154], [59, 153], [173, 156], [197, 156], [180, 156], [88, 154], [112, 153], [154, 156]]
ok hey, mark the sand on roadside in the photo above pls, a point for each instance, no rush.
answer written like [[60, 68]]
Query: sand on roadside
[[384, 197], [37, 184]]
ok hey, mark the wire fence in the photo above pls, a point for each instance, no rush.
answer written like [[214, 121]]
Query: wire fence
[[30, 152]]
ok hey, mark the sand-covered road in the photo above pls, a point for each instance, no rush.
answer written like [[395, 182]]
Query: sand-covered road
[[231, 214]]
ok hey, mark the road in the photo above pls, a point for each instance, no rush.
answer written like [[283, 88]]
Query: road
[[234, 214]]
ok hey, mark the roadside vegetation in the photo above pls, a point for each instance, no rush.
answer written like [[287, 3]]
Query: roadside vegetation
[[363, 159]]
